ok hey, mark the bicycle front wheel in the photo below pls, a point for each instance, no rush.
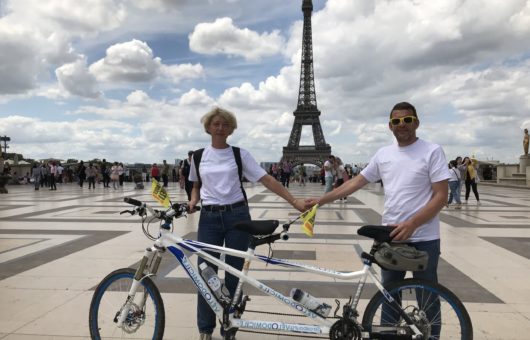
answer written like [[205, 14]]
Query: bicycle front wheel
[[145, 318], [434, 309]]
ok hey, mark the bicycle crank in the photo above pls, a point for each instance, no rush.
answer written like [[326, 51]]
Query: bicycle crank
[[345, 329]]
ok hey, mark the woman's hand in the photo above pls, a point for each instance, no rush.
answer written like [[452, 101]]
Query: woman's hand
[[299, 204]]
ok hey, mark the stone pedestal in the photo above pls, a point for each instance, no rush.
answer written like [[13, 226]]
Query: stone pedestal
[[524, 161]]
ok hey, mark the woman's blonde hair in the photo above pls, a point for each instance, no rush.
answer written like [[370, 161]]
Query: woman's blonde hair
[[217, 111]]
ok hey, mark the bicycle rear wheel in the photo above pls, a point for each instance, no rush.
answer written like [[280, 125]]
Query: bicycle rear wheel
[[436, 311], [145, 319]]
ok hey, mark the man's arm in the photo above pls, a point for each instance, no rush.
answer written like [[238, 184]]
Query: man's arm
[[404, 230], [344, 190]]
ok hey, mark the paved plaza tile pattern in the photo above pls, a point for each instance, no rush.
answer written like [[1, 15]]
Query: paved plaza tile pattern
[[55, 247]]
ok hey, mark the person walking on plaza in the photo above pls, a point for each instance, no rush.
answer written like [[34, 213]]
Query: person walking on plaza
[[454, 185], [328, 173], [144, 174], [121, 173], [165, 173], [91, 173], [53, 176], [36, 175], [155, 172], [188, 185], [115, 175], [81, 173], [415, 175], [217, 178], [471, 178], [105, 173]]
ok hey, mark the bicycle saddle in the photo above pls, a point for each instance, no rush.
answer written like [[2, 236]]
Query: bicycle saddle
[[380, 233], [258, 228]]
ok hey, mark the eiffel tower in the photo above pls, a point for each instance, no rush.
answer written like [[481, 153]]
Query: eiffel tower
[[306, 112]]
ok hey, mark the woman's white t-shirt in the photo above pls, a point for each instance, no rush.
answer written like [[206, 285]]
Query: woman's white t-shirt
[[219, 176], [407, 174]]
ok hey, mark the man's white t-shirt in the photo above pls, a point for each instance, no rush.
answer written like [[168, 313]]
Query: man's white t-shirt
[[407, 174], [219, 176]]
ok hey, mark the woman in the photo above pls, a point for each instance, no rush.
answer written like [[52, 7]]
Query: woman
[[223, 200], [115, 175], [471, 178], [454, 185], [340, 178]]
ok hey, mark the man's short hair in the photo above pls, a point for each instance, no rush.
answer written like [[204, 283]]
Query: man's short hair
[[404, 106], [190, 152]]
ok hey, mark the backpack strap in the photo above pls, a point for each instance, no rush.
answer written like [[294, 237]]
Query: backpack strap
[[237, 156], [197, 156]]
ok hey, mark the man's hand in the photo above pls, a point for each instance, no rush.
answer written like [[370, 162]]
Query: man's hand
[[403, 231], [309, 203]]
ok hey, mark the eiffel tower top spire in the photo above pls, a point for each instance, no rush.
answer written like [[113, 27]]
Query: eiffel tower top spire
[[307, 100]]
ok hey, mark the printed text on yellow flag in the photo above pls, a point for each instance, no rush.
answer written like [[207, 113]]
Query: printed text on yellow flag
[[159, 193], [308, 220]]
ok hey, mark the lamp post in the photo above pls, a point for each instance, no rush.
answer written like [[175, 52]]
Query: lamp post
[[3, 179], [5, 139]]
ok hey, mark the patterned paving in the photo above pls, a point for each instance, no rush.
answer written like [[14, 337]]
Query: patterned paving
[[55, 246]]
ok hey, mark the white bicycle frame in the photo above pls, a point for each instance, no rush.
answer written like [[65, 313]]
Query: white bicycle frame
[[176, 245]]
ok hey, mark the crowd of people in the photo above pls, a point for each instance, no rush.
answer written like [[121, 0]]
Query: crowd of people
[[463, 171]]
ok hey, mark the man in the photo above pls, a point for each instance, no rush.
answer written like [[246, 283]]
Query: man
[[165, 173], [188, 185], [415, 175], [105, 173], [328, 173]]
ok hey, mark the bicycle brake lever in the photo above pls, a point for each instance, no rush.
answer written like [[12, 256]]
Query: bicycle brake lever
[[132, 212]]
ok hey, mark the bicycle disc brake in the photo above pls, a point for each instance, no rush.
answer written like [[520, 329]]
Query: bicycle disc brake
[[345, 329], [135, 318]]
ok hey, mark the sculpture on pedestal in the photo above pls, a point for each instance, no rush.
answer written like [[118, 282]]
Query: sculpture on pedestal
[[525, 142]]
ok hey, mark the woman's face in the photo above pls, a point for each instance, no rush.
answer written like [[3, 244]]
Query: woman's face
[[219, 127]]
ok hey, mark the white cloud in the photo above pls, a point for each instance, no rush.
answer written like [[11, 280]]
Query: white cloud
[[222, 37], [76, 79], [196, 97], [182, 71], [131, 61]]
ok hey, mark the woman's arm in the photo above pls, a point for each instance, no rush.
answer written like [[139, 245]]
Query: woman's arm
[[273, 185]]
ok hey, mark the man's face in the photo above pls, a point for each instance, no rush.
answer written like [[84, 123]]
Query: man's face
[[405, 133]]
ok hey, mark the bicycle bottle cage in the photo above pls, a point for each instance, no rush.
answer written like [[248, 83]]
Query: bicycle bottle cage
[[401, 257]]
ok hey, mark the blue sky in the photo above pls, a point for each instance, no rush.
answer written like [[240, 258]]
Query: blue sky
[[129, 80]]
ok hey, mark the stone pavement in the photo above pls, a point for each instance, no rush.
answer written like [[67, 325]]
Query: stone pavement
[[55, 246]]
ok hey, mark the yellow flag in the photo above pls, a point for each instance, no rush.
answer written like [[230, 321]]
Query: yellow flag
[[309, 220], [159, 193]]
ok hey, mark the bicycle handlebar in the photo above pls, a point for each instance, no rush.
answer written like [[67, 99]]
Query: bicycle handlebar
[[132, 201], [176, 208]]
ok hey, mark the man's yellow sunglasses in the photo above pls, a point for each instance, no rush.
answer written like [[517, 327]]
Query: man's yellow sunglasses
[[406, 120]]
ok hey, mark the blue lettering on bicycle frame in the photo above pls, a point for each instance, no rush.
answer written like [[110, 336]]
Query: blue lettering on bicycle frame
[[196, 278], [280, 326]]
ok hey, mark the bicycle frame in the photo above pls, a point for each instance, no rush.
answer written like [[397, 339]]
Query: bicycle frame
[[176, 245]]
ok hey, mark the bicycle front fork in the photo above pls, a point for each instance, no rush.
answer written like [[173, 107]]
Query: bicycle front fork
[[145, 269]]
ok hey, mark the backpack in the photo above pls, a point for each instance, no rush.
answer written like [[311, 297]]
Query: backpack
[[186, 168], [197, 156]]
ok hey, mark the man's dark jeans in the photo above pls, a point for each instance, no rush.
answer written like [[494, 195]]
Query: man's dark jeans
[[389, 316]]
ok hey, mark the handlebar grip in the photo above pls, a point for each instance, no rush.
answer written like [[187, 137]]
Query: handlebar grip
[[132, 201]]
